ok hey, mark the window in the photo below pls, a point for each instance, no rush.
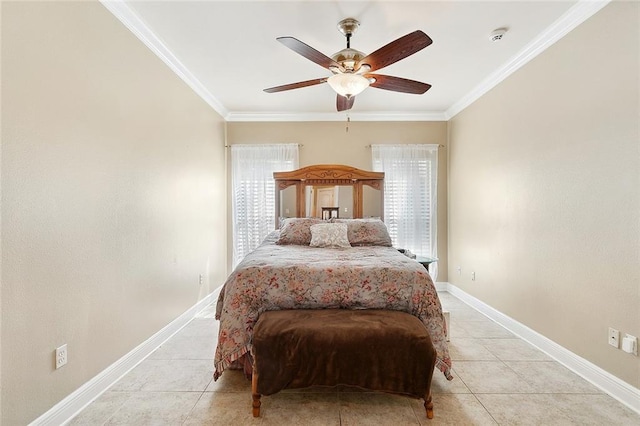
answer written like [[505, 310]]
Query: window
[[253, 192], [410, 196]]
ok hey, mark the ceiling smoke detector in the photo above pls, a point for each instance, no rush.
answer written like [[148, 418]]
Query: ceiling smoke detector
[[497, 35]]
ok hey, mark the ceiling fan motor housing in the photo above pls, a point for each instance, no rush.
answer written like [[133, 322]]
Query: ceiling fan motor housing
[[348, 58]]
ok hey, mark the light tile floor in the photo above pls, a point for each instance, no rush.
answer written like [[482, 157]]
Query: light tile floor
[[499, 379]]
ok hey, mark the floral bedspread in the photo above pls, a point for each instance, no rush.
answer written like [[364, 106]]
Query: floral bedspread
[[275, 277]]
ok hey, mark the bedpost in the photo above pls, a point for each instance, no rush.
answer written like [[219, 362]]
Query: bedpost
[[277, 206], [357, 199], [300, 199]]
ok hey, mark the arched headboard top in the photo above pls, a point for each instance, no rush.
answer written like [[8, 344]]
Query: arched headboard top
[[328, 174]]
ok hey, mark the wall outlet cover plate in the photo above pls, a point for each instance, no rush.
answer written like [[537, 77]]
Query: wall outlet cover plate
[[614, 337]]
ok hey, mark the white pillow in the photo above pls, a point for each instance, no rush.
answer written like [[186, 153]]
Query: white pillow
[[329, 235]]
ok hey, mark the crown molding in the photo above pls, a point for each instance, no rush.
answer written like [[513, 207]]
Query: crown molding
[[579, 13], [336, 116], [130, 20], [576, 15], [133, 22]]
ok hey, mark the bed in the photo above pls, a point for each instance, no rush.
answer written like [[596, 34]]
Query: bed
[[313, 264]]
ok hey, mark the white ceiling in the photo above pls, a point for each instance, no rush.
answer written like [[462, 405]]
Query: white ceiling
[[228, 53]]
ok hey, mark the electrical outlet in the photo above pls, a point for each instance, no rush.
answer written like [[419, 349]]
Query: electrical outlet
[[459, 269], [201, 279], [473, 276], [61, 356], [614, 337]]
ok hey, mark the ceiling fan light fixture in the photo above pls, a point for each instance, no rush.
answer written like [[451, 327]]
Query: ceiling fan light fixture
[[348, 85]]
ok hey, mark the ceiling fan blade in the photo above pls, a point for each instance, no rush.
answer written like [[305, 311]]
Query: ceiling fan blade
[[296, 85], [396, 50], [308, 52], [398, 84], [344, 104]]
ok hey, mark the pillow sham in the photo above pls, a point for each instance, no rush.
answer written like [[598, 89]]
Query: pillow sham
[[296, 230], [366, 232], [329, 235]]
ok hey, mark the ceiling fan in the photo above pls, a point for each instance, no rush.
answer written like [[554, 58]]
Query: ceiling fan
[[352, 69]]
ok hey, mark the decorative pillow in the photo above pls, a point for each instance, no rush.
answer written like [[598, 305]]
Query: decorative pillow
[[329, 235], [366, 232], [296, 230]]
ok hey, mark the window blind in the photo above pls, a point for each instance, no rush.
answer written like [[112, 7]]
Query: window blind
[[253, 192], [410, 196]]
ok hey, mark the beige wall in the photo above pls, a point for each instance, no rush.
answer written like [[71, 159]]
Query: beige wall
[[330, 143], [113, 198], [544, 205]]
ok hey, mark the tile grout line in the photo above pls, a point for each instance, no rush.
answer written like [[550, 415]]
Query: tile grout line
[[485, 409], [118, 409], [194, 405]]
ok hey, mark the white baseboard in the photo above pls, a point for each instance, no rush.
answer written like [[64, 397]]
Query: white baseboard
[[69, 407], [616, 388], [442, 286]]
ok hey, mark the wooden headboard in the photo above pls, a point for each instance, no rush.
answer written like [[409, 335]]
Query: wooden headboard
[[328, 174]]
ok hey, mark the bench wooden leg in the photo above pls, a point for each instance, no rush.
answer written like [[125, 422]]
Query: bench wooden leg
[[254, 393], [428, 405]]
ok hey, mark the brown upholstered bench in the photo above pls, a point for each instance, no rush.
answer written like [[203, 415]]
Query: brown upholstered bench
[[378, 350]]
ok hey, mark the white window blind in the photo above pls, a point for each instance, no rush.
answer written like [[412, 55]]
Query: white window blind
[[410, 196], [253, 192]]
